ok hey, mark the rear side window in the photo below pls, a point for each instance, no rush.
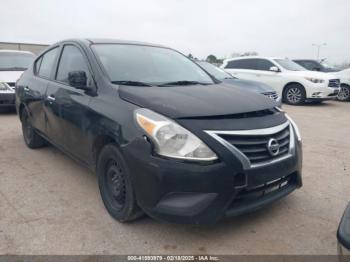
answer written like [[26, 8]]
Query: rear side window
[[242, 64], [71, 60], [264, 64], [47, 63]]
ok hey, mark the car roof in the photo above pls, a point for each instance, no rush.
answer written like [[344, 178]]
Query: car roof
[[251, 57], [305, 60], [89, 41]]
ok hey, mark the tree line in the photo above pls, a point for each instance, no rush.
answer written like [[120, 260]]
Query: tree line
[[218, 61]]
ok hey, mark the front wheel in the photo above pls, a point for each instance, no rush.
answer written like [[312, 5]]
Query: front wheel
[[115, 185], [294, 94], [344, 94]]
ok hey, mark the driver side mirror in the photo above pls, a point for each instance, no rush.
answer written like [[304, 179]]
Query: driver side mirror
[[78, 79], [344, 233], [274, 69]]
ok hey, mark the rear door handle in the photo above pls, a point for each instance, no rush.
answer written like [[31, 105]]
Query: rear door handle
[[51, 98]]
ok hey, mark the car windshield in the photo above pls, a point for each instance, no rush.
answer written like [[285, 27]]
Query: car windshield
[[289, 65], [215, 71], [328, 66], [147, 65], [15, 61]]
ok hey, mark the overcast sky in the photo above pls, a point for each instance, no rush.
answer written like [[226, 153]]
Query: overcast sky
[[286, 28]]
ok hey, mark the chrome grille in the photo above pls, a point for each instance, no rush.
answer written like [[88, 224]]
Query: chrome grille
[[334, 83], [253, 147], [272, 95]]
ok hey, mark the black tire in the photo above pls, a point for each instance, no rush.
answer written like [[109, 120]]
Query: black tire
[[115, 185], [344, 94], [294, 94], [30, 136]]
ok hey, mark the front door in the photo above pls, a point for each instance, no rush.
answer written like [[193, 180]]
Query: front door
[[68, 107]]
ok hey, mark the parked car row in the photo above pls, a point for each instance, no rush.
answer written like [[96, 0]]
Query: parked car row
[[164, 136], [291, 81], [180, 140], [280, 79], [343, 75]]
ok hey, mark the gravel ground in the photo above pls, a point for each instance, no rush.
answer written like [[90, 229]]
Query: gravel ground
[[49, 204]]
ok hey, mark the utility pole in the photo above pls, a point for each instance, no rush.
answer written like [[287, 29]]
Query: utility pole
[[318, 46]]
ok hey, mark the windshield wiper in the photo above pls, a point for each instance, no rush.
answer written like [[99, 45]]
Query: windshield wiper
[[130, 83], [182, 83]]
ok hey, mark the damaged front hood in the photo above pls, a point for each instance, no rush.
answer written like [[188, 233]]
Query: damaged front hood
[[195, 100]]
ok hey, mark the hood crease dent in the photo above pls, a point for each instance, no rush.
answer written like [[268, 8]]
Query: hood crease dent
[[196, 100]]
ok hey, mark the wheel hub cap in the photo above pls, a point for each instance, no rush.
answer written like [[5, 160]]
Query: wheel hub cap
[[116, 184], [344, 93], [294, 95]]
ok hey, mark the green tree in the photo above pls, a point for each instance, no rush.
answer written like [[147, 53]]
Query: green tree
[[212, 59]]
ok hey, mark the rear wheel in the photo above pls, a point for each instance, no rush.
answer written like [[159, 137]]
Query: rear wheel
[[115, 185], [344, 94], [31, 137], [294, 94]]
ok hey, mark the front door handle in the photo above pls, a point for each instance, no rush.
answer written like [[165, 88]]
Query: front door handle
[[26, 88], [51, 98]]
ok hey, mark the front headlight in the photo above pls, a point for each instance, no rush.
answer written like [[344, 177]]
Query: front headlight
[[172, 140], [315, 80]]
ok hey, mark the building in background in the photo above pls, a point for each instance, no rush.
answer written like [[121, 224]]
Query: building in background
[[34, 48]]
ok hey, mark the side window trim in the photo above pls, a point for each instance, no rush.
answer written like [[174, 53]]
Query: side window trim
[[87, 63], [37, 65], [36, 73]]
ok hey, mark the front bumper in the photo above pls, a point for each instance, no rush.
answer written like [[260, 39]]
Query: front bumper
[[325, 93], [343, 234], [7, 99], [181, 192]]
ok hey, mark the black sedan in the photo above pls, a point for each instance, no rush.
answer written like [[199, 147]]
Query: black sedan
[[163, 136]]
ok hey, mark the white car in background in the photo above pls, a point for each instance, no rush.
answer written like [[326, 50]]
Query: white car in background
[[344, 75], [12, 64], [291, 81]]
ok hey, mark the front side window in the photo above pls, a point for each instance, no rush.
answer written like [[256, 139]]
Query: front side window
[[15, 61], [71, 60], [147, 64], [47, 63], [289, 65], [264, 64]]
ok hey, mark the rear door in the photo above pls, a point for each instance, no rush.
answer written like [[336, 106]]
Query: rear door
[[70, 104], [243, 68], [266, 76], [34, 88]]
